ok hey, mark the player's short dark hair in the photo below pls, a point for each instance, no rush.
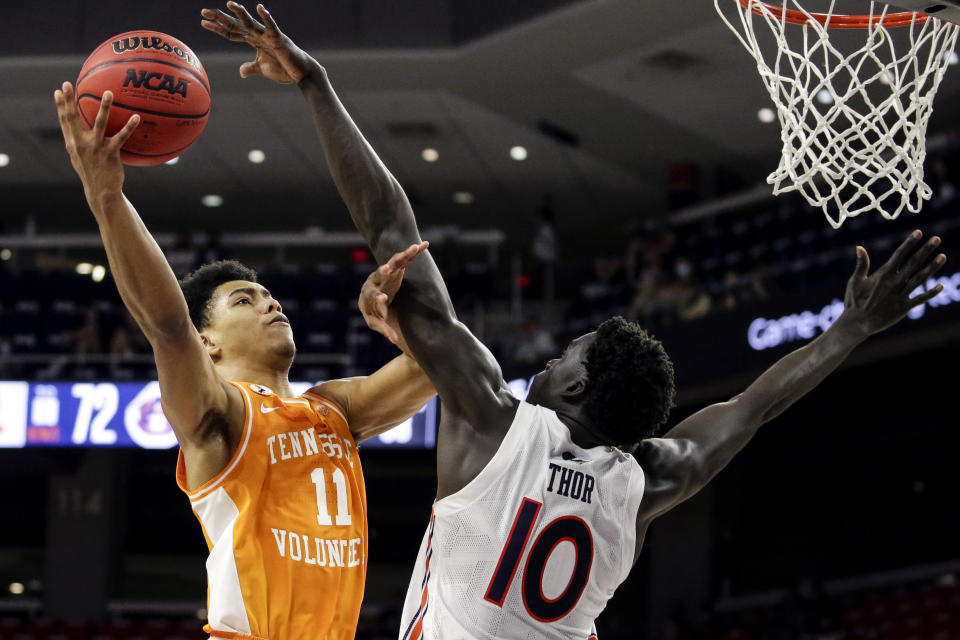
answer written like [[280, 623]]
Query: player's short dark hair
[[198, 287], [630, 388]]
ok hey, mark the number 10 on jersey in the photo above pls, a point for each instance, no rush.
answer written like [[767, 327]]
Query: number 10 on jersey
[[563, 529]]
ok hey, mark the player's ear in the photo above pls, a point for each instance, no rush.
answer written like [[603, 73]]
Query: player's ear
[[212, 348], [575, 389]]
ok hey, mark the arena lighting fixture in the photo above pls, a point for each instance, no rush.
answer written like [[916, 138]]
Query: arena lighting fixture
[[98, 273], [16, 588], [824, 97], [5, 254], [462, 197], [256, 156], [4, 159], [84, 268], [212, 200], [766, 115], [430, 155], [954, 58], [173, 161], [518, 153]]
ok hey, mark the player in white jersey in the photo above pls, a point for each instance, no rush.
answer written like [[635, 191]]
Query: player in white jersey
[[542, 505], [541, 508], [540, 539]]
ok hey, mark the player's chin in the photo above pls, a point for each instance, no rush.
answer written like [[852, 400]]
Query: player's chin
[[533, 392], [285, 347]]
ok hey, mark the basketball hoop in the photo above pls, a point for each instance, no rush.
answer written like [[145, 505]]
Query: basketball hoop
[[854, 119]]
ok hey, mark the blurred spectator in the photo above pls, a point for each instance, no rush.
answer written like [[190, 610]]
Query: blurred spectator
[[534, 343], [544, 247], [663, 300], [87, 339], [646, 248], [684, 297], [732, 290], [761, 283], [607, 284], [745, 289], [127, 340], [646, 306]]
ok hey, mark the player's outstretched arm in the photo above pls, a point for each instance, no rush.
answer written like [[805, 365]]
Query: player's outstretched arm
[[402, 381], [695, 450], [191, 387], [278, 58], [456, 361], [375, 199]]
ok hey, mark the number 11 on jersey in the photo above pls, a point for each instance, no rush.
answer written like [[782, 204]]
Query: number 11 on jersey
[[563, 529], [343, 505]]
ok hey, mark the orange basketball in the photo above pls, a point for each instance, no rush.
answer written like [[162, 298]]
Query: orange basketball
[[152, 74]]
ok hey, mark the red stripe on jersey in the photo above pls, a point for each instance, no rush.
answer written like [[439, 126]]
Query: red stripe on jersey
[[416, 632]]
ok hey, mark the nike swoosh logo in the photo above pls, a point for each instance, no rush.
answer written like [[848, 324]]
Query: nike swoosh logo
[[264, 409]]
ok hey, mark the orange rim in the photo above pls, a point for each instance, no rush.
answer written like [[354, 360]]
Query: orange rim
[[902, 19]]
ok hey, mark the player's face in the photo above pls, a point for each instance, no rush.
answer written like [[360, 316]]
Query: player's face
[[560, 373], [246, 321]]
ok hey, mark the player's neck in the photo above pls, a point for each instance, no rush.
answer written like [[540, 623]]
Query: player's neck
[[582, 434], [274, 379]]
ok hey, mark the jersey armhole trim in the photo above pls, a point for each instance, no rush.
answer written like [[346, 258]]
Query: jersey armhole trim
[[636, 487], [329, 404], [492, 472], [336, 409], [203, 490]]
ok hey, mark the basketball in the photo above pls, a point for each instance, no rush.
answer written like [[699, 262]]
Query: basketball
[[155, 75]]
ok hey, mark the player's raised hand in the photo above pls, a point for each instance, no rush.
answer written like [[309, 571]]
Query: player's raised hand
[[278, 58], [95, 157], [878, 300], [381, 286]]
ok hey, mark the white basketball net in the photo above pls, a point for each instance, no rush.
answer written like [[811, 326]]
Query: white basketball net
[[854, 124]]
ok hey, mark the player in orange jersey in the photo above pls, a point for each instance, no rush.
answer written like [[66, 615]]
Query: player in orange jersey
[[275, 480]]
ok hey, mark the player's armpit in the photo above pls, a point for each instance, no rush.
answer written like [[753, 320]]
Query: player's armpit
[[192, 390], [682, 462], [673, 469], [378, 402]]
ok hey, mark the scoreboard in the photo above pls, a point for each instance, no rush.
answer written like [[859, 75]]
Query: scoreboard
[[128, 414]]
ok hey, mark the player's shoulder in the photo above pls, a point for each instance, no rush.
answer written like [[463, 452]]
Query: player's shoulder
[[663, 453], [327, 399], [334, 394]]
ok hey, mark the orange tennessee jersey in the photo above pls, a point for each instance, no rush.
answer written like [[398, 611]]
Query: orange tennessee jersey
[[286, 524]]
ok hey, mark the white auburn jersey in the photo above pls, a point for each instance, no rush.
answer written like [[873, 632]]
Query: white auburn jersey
[[533, 547]]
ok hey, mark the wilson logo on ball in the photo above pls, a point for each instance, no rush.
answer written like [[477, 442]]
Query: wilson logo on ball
[[132, 43], [152, 74], [145, 79]]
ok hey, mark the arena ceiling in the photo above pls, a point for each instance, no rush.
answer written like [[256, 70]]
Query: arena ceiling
[[604, 94]]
